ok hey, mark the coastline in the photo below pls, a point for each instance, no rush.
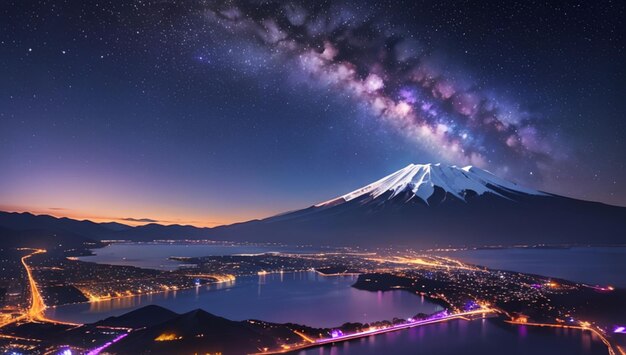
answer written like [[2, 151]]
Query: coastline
[[356, 285]]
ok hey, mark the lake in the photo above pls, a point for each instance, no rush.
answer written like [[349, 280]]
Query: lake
[[300, 297], [593, 265], [312, 299], [155, 255], [478, 337]]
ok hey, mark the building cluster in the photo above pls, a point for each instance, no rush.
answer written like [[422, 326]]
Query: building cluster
[[64, 280]]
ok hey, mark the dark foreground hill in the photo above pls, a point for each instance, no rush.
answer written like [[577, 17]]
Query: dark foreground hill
[[143, 317], [200, 332]]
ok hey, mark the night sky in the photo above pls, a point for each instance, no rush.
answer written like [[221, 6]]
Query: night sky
[[214, 112]]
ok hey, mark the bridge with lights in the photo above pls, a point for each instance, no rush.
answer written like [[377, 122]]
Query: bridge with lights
[[337, 337]]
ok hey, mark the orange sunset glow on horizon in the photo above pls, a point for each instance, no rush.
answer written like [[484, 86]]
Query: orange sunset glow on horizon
[[131, 219]]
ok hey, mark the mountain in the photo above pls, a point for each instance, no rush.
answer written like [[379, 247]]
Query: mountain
[[201, 332], [143, 317], [25, 221], [433, 184], [429, 205], [116, 227], [433, 205], [45, 238], [154, 231], [27, 229], [43, 231]]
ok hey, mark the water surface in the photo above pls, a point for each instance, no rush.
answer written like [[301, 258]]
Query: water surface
[[311, 299], [301, 297], [155, 255], [479, 337], [593, 265]]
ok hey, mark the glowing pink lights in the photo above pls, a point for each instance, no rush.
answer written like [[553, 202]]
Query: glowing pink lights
[[601, 288], [337, 335], [98, 350]]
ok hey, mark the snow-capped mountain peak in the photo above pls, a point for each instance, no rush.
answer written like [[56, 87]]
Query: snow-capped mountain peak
[[421, 180]]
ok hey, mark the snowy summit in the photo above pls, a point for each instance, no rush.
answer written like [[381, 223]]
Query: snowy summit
[[422, 179]]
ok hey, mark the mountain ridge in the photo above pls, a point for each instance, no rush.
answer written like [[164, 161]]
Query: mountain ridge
[[432, 205], [418, 205]]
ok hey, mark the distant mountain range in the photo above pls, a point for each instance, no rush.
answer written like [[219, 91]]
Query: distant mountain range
[[428, 205], [27, 229]]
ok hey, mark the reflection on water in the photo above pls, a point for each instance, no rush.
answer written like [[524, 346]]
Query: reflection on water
[[302, 297], [311, 299], [114, 304], [478, 337]]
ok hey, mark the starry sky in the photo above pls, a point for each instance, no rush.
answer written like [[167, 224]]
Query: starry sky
[[211, 112]]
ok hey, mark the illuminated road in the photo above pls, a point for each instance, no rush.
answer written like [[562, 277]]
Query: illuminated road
[[319, 342], [37, 305], [13, 320], [430, 261], [35, 312]]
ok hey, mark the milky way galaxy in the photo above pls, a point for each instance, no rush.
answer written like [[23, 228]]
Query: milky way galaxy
[[398, 80]]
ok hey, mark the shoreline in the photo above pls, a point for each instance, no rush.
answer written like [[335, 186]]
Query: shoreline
[[323, 342], [468, 316], [181, 289], [498, 318], [193, 287], [351, 273], [135, 295]]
